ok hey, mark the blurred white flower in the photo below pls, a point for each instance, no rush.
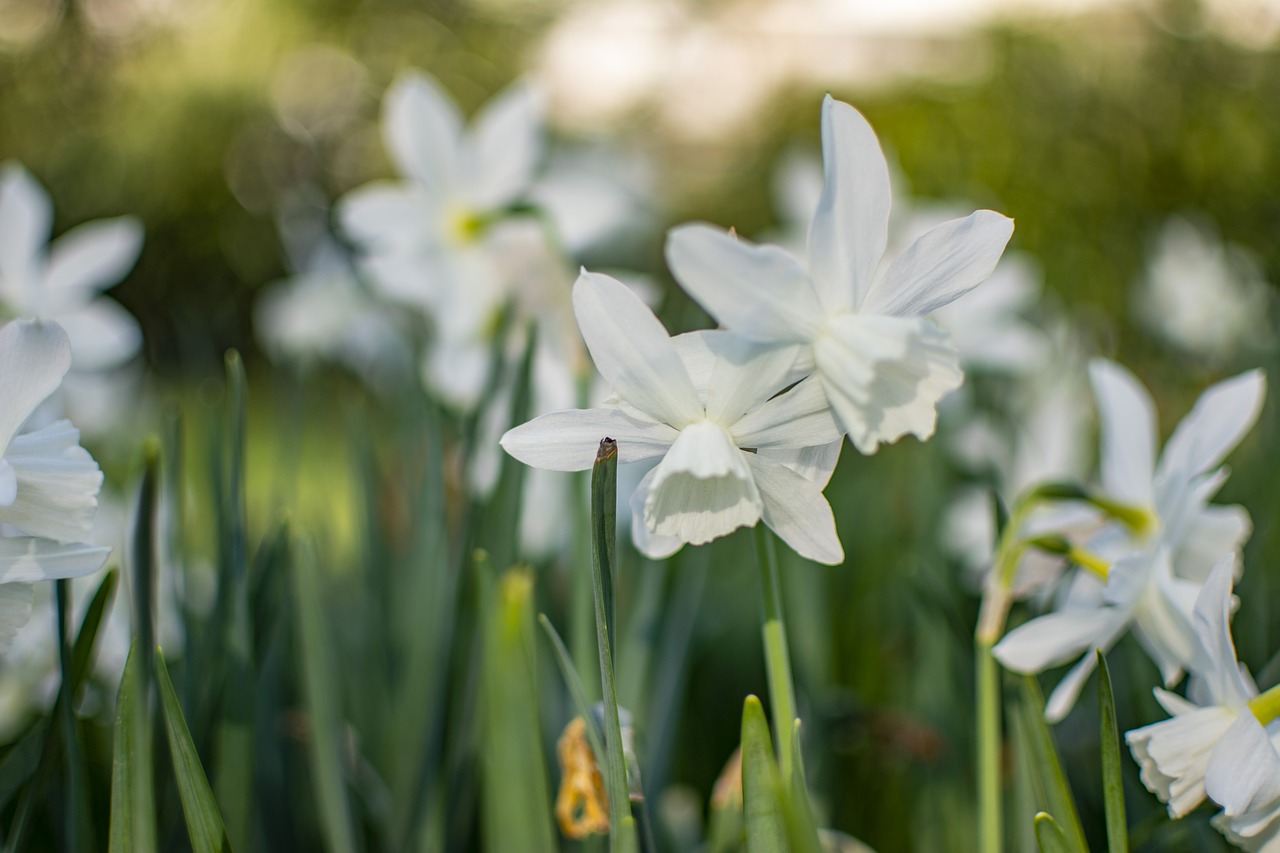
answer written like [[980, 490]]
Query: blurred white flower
[[323, 312], [881, 364], [48, 483], [426, 240], [1202, 296], [63, 280], [1161, 557], [733, 454]]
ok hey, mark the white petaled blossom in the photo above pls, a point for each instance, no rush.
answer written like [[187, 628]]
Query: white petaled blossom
[[1216, 745], [1161, 557], [428, 240], [48, 483], [63, 280], [737, 444], [860, 325], [1203, 296]]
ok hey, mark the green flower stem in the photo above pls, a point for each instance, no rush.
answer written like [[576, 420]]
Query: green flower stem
[[996, 600], [777, 657], [990, 821]]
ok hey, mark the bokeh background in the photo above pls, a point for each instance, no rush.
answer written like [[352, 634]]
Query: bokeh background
[[1129, 141]]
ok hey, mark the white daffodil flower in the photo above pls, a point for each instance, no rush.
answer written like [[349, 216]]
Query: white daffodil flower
[[63, 280], [1174, 753], [48, 483], [881, 364], [427, 240], [1219, 745], [1161, 557], [734, 450]]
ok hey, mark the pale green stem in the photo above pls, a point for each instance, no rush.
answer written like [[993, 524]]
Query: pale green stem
[[777, 657], [996, 600], [1266, 706]]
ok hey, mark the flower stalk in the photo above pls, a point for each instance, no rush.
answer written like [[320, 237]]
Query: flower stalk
[[777, 655]]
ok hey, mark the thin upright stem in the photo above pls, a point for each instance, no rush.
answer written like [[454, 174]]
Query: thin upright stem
[[777, 657]]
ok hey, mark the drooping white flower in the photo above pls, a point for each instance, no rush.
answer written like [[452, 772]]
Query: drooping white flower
[[63, 281], [734, 451], [881, 364], [48, 483], [1159, 560]]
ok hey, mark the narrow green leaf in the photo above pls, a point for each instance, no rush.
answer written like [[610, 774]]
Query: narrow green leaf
[[48, 736], [204, 820], [762, 800], [604, 502], [234, 739], [517, 813], [1112, 784], [326, 741], [133, 805], [144, 567], [801, 827], [576, 690], [78, 817], [1050, 837], [1048, 779]]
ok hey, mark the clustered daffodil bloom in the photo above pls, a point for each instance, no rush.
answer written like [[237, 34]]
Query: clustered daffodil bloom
[[1147, 565], [48, 483], [748, 420], [712, 409]]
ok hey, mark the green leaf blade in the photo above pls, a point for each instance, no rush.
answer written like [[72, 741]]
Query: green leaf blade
[[204, 819]]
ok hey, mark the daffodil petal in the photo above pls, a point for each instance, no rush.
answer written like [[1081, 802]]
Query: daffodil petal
[[1217, 664], [506, 144], [386, 215], [942, 265], [703, 488], [652, 545], [25, 559], [92, 257], [15, 610], [851, 226], [799, 418], [884, 376], [1244, 770], [569, 440], [632, 350], [1128, 433], [1220, 419], [422, 130], [815, 464], [26, 217], [1054, 638], [58, 484], [758, 291], [103, 335], [795, 509], [34, 356]]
